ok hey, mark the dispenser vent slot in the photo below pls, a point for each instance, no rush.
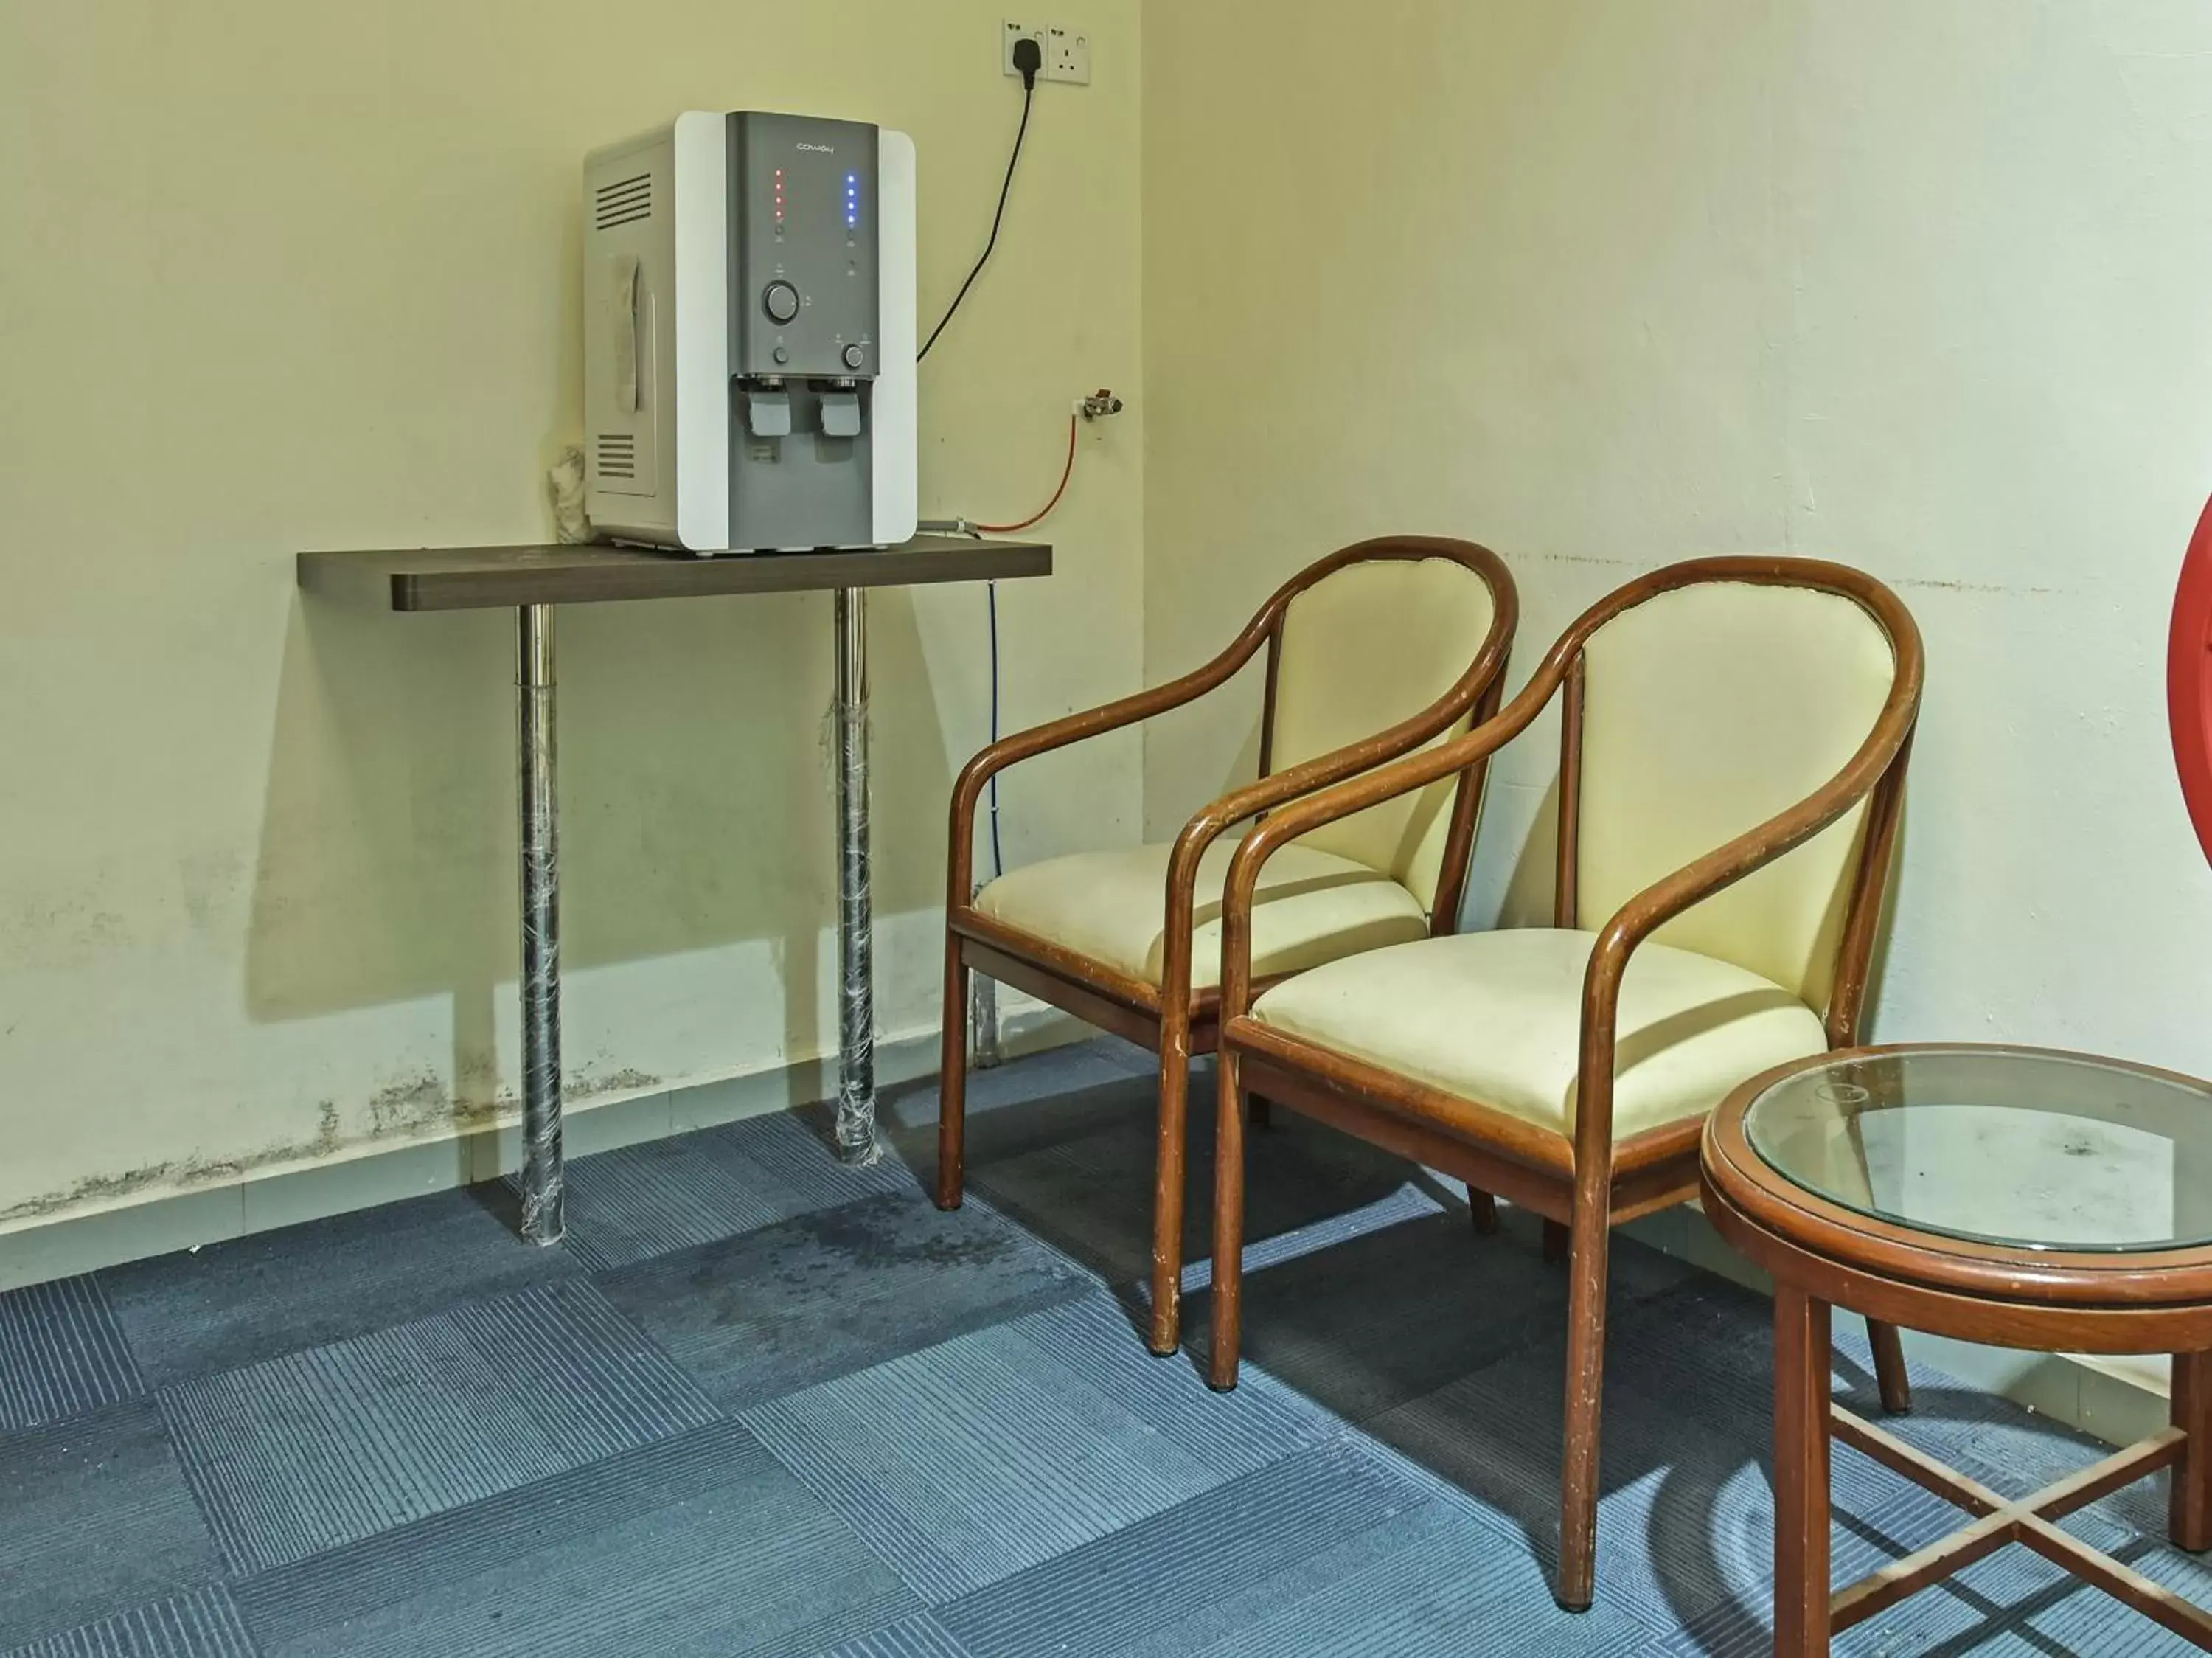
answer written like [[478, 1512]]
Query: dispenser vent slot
[[617, 454], [624, 202]]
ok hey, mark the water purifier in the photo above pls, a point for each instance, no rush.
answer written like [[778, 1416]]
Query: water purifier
[[749, 335]]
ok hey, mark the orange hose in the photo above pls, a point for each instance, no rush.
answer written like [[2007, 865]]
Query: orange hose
[[1066, 473]]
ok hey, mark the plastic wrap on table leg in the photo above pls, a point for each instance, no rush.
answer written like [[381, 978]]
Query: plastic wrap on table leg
[[984, 1040], [542, 1217], [984, 1047], [856, 1034]]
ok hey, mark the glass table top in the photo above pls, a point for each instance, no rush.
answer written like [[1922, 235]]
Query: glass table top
[[2029, 1150]]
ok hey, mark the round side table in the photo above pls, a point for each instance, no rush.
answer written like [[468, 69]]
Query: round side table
[[2055, 1201]]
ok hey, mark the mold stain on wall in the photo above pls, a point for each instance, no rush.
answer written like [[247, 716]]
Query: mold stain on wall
[[179, 1174], [412, 1108]]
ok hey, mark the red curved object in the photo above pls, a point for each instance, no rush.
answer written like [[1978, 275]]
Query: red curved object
[[2189, 681]]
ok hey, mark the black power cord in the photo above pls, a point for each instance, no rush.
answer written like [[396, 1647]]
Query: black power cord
[[1029, 59]]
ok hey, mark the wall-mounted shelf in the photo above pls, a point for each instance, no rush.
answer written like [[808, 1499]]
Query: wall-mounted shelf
[[479, 578]]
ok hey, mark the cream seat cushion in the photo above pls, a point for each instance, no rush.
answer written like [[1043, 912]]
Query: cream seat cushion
[[1311, 906], [1496, 1018]]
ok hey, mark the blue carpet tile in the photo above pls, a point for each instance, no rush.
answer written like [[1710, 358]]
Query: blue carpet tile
[[968, 1461], [1303, 1556], [918, 1636], [1366, 1322], [237, 1304], [702, 1545], [629, 1205], [798, 1303], [60, 1353], [205, 1624], [766, 1405], [95, 1518], [319, 1448]]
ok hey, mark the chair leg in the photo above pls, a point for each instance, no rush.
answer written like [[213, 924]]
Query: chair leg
[[1228, 1229], [2190, 1510], [1166, 1335], [1482, 1209], [1555, 1242], [1578, 1477], [1889, 1367], [952, 1079], [1801, 1474]]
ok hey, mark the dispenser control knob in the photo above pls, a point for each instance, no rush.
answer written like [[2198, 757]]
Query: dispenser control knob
[[854, 357], [780, 300]]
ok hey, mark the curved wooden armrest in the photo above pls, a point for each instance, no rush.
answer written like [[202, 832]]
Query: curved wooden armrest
[[1076, 727], [1476, 688], [1717, 870], [1371, 787]]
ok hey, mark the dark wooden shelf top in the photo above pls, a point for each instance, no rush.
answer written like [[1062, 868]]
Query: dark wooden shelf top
[[477, 578]]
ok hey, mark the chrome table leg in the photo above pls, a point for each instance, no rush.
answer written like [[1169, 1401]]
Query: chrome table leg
[[537, 755]]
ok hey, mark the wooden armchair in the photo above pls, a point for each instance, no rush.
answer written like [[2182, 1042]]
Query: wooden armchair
[[1736, 734], [1372, 652]]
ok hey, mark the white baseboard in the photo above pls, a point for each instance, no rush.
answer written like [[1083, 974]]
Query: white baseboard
[[56, 1247], [1030, 1026]]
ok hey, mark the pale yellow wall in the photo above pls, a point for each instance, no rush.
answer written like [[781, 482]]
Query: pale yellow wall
[[1912, 283], [1916, 285], [281, 275]]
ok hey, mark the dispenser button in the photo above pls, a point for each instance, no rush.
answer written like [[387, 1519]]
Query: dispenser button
[[854, 357], [780, 300], [782, 356]]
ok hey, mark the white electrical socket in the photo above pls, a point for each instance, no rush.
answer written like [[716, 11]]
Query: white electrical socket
[[1013, 32], [1063, 52], [1066, 55]]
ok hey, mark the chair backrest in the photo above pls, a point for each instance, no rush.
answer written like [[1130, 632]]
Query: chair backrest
[[1371, 642], [1706, 708]]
